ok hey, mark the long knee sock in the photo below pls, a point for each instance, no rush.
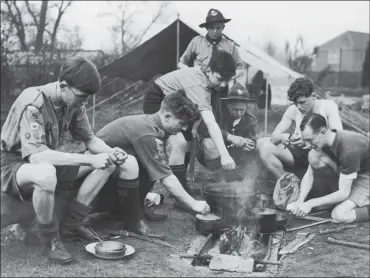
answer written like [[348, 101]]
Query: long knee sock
[[362, 213], [128, 191], [180, 172]]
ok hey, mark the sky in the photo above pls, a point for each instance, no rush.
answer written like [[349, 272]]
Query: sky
[[258, 21]]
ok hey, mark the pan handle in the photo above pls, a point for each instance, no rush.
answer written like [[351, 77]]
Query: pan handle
[[220, 209]]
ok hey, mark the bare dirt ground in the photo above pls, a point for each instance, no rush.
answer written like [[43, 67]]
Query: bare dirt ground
[[316, 259]]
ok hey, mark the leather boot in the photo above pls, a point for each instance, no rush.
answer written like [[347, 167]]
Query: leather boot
[[143, 229], [53, 246], [73, 226]]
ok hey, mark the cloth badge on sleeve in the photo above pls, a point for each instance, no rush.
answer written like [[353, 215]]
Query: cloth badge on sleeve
[[35, 126], [161, 155], [208, 99]]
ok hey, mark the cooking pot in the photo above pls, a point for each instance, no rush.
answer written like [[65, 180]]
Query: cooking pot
[[209, 223], [233, 191], [267, 219]]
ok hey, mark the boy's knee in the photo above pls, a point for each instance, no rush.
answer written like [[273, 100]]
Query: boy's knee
[[45, 177], [264, 146], [129, 169]]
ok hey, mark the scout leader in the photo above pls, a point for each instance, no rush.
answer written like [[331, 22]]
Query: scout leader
[[201, 48]]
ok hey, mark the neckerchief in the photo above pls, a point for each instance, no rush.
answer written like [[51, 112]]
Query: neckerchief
[[214, 42]]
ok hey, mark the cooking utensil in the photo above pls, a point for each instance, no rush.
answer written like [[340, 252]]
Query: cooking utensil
[[267, 219], [91, 248], [204, 224], [227, 190]]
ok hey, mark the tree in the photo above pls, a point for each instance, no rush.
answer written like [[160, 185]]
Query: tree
[[270, 48], [298, 58], [126, 17], [34, 27], [31, 35], [365, 68]]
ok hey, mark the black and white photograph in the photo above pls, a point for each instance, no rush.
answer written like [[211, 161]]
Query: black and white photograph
[[185, 139]]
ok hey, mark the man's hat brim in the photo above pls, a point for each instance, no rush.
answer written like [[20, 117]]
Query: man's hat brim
[[205, 24], [239, 99]]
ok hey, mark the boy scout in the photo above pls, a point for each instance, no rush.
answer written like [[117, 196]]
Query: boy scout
[[144, 136], [199, 84], [239, 131], [33, 167], [351, 153], [283, 151]]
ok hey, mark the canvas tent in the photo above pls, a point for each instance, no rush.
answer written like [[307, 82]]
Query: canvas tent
[[160, 55]]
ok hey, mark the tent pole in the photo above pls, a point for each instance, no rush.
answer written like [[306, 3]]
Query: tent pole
[[93, 114], [177, 40], [266, 103]]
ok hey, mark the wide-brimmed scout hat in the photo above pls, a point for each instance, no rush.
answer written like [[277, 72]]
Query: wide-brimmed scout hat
[[214, 16], [238, 92]]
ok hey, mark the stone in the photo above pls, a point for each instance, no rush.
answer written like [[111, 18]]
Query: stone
[[231, 263]]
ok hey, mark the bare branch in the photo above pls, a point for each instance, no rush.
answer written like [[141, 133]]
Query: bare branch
[[31, 13], [16, 19], [61, 11], [154, 19]]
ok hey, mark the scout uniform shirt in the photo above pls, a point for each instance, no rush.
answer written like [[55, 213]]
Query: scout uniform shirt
[[36, 122], [143, 137], [245, 127], [199, 52], [193, 81]]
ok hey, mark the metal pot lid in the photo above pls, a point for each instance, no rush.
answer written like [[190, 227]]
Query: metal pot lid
[[264, 211], [208, 217]]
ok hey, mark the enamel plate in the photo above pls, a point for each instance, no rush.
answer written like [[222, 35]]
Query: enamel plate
[[91, 249]]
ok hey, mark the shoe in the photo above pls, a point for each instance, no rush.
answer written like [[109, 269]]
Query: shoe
[[143, 229], [152, 214], [57, 253]]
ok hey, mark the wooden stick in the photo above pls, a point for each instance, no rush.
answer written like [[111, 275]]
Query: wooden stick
[[313, 218], [141, 237], [334, 230], [309, 225], [349, 244]]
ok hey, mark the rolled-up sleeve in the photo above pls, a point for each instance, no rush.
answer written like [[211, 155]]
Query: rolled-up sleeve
[[80, 128], [32, 132], [189, 55]]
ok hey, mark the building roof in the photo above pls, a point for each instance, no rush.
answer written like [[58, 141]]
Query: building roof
[[348, 39]]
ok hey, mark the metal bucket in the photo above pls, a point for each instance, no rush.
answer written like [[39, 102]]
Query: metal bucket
[[232, 191]]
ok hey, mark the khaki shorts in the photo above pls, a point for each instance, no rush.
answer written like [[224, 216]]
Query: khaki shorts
[[360, 192], [12, 161]]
